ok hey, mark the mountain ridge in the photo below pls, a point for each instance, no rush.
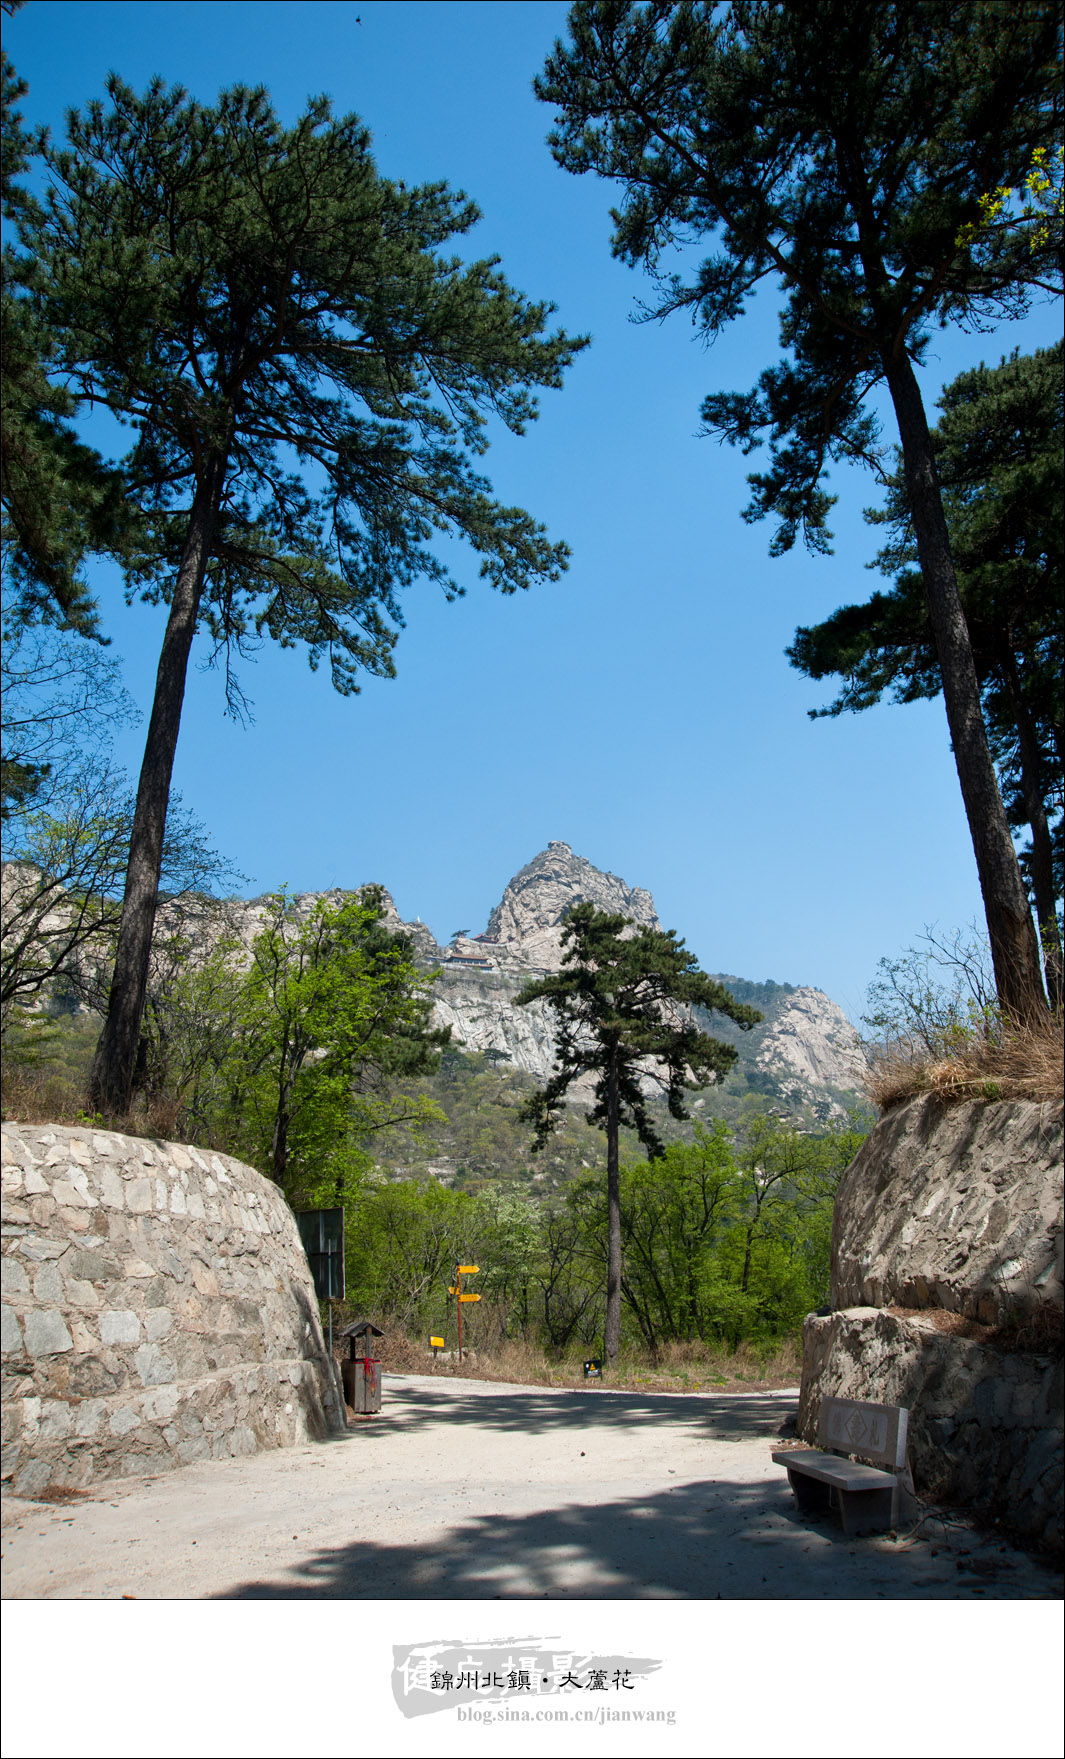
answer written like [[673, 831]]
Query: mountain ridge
[[804, 1055]]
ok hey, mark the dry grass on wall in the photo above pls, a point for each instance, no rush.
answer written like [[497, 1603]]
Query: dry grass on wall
[[1000, 1062], [35, 1096]]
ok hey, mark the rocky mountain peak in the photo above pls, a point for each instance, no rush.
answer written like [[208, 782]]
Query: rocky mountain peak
[[527, 921]]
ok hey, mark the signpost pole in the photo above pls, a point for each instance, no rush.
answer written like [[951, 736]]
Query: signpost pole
[[462, 1270]]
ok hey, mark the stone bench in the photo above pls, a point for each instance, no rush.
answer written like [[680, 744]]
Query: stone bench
[[874, 1490]]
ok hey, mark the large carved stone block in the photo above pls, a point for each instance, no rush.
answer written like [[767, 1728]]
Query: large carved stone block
[[954, 1207]]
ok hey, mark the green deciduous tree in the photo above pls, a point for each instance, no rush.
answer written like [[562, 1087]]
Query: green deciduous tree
[[674, 1210], [332, 1012], [309, 377], [622, 1004], [723, 1238], [1000, 453], [840, 150], [403, 1243]]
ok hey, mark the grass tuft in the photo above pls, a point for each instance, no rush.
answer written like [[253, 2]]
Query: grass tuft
[[995, 1060]]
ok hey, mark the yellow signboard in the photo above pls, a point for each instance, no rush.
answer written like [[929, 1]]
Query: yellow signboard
[[467, 1269], [469, 1297], [437, 1343]]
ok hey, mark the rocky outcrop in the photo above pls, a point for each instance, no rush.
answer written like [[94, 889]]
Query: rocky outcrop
[[957, 1208], [947, 1295], [809, 1042], [479, 1008], [157, 1309], [528, 920], [806, 1043]]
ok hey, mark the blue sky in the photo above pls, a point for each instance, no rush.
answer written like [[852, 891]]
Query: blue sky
[[642, 708]]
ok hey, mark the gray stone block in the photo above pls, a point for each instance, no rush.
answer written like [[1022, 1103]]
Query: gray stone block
[[45, 1332], [120, 1326], [56, 1420], [10, 1332], [197, 1448], [154, 1368], [32, 1477], [15, 1281], [48, 1284], [90, 1415], [94, 1267]]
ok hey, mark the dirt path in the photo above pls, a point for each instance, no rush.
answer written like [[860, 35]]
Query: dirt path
[[469, 1490]]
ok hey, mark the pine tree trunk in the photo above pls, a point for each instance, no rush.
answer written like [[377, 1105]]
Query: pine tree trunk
[[1042, 859], [111, 1084], [612, 1332], [1014, 948]]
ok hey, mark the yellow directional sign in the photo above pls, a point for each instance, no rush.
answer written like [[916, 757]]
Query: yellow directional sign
[[437, 1343], [451, 1289], [469, 1297], [467, 1269]]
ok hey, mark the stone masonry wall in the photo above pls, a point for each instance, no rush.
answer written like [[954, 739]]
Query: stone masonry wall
[[157, 1309], [985, 1420], [947, 1299]]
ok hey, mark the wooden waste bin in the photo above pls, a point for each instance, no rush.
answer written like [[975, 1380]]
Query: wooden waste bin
[[362, 1385], [361, 1373]]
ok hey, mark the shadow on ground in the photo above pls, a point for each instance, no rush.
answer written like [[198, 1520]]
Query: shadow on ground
[[696, 1541], [719, 1417], [726, 1537]]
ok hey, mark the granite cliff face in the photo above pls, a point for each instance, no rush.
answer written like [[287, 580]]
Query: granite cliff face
[[527, 922], [804, 1053], [809, 1042], [806, 1047]]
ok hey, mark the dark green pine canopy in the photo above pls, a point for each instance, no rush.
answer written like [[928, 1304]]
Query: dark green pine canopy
[[622, 1003], [236, 291]]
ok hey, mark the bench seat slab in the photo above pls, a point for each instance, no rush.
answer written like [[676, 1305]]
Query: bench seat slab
[[830, 1469], [867, 1499]]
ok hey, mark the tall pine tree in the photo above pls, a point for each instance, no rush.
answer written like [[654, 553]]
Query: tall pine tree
[[622, 1004], [840, 151], [308, 376], [998, 448]]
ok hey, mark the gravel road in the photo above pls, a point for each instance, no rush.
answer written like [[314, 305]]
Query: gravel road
[[472, 1490]]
